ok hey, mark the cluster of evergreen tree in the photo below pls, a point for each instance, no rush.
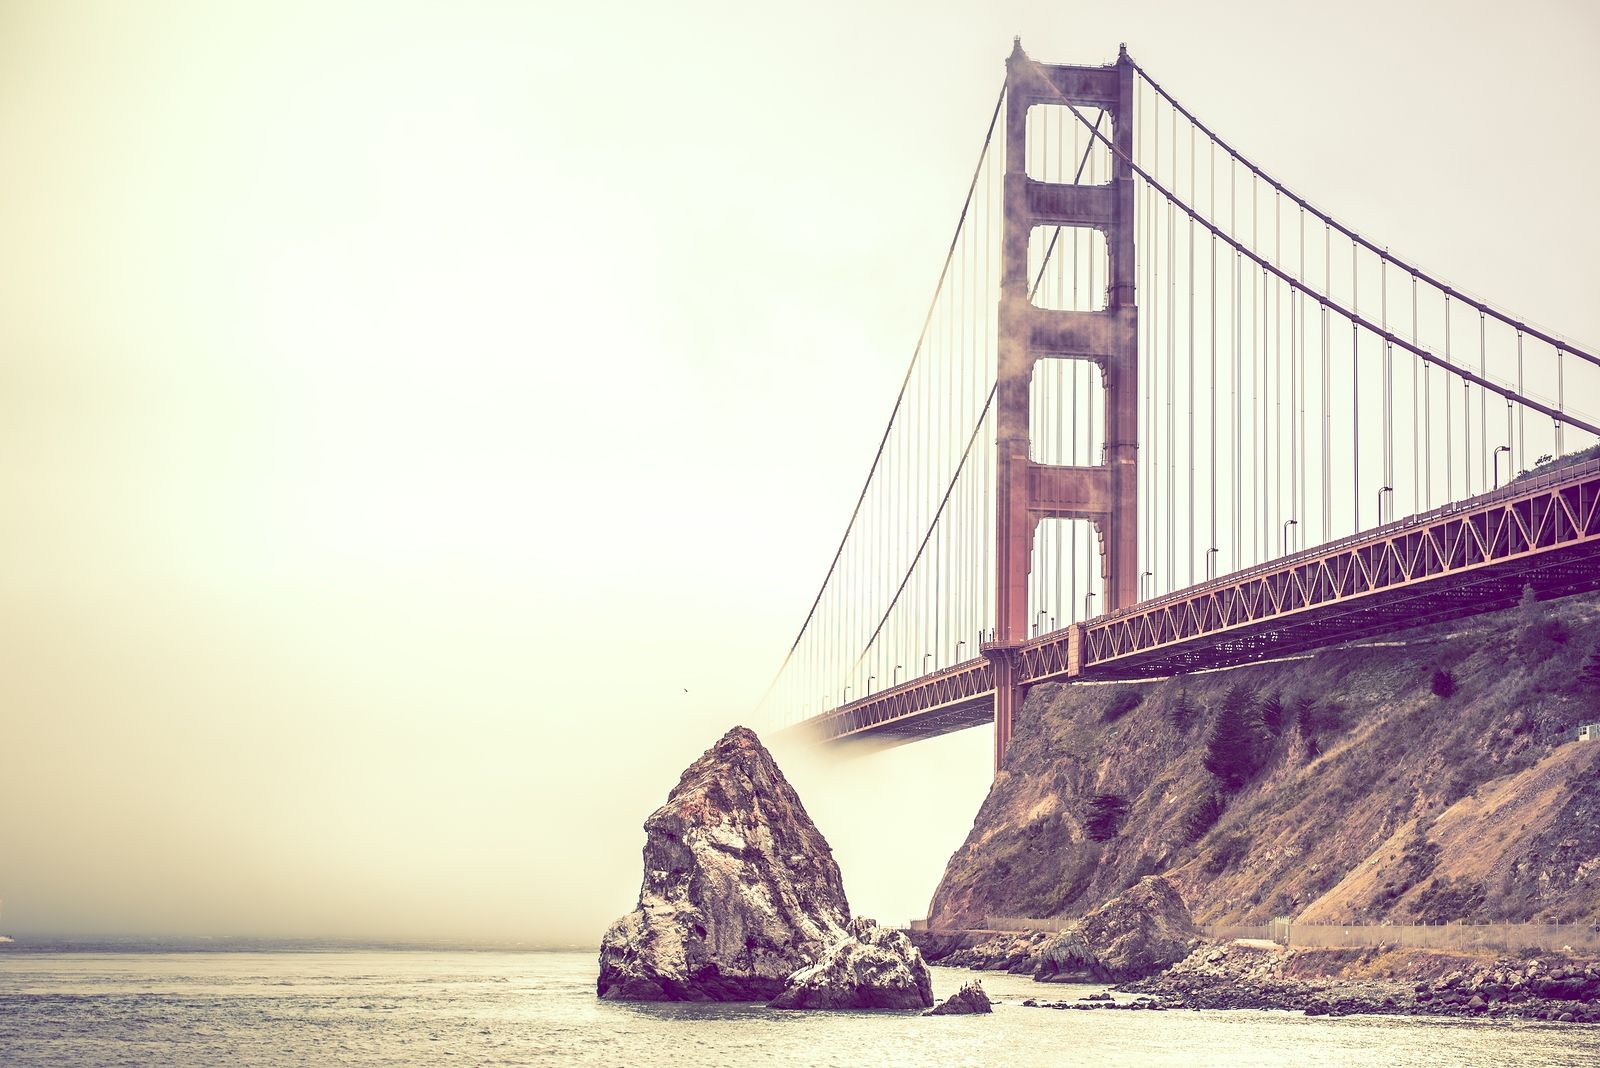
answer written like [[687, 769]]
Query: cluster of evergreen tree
[[1240, 740]]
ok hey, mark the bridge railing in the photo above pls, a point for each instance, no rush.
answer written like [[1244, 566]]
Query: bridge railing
[[1530, 484]]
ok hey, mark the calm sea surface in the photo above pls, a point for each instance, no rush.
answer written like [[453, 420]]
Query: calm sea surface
[[403, 1008]]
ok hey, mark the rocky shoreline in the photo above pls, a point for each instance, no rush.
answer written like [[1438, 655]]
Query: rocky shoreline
[[1328, 982], [1322, 982]]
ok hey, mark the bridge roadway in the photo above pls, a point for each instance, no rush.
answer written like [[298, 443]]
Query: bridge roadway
[[1466, 558]]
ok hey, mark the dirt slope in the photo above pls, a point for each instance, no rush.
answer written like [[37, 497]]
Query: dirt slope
[[1346, 788]]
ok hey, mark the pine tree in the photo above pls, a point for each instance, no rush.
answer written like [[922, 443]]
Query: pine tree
[[1239, 739], [1203, 816], [1273, 712], [1180, 713]]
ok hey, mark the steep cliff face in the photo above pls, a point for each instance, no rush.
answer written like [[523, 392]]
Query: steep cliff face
[[1427, 776]]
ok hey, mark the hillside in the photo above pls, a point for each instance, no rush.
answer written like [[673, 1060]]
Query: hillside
[[1342, 787]]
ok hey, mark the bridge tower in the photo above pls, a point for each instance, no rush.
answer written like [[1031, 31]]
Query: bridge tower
[[1106, 493]]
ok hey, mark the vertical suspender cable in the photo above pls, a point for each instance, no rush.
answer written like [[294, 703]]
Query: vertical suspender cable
[[1522, 414], [1485, 458], [1212, 182], [1189, 362], [1449, 438], [1561, 398], [1355, 390], [1172, 368], [1388, 387]]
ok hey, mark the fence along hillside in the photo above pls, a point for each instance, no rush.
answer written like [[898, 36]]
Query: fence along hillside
[[1469, 937], [1466, 937]]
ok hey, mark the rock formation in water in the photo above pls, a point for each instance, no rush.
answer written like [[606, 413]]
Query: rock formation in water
[[871, 968], [969, 999], [1137, 933], [740, 888]]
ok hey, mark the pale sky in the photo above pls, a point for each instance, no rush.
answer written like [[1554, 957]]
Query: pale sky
[[424, 425]]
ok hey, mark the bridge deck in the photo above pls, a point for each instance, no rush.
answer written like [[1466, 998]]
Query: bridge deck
[[1464, 559]]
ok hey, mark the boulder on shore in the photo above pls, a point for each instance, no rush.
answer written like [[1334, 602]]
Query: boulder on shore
[[740, 888], [969, 999], [871, 968], [1137, 933]]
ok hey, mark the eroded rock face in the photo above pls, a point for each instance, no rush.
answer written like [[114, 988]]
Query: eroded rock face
[[1137, 933], [871, 968], [740, 888]]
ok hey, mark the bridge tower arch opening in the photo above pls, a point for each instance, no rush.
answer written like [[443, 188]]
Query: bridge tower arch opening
[[1104, 492]]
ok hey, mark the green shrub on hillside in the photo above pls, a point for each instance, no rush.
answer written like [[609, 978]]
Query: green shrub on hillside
[[1202, 816], [1418, 858], [1443, 684], [1124, 699], [1590, 675], [1319, 717], [1229, 850], [1539, 631], [1104, 819], [1449, 900]]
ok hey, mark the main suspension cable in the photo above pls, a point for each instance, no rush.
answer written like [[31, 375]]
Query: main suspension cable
[[1402, 265], [1334, 306], [894, 412]]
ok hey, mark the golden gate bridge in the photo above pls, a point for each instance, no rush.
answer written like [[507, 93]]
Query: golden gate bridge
[[1165, 414]]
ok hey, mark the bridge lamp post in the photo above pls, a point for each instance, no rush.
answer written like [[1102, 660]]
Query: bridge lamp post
[[1287, 524], [1088, 605], [959, 644], [844, 698], [1151, 575], [1381, 492], [896, 681], [925, 658], [1498, 449], [870, 678], [1211, 562]]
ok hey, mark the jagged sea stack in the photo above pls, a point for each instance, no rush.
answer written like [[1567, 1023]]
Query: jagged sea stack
[[874, 968], [740, 888]]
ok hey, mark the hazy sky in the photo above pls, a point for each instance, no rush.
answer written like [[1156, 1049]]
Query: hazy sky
[[403, 404]]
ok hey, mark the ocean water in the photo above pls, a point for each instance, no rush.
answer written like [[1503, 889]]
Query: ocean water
[[243, 1010]]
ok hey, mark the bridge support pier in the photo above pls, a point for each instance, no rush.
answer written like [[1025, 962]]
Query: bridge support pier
[[1105, 494]]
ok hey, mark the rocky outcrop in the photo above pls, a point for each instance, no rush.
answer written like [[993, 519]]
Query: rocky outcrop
[[1359, 795], [1137, 933], [740, 888], [1015, 953], [872, 968], [1414, 982], [969, 999]]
